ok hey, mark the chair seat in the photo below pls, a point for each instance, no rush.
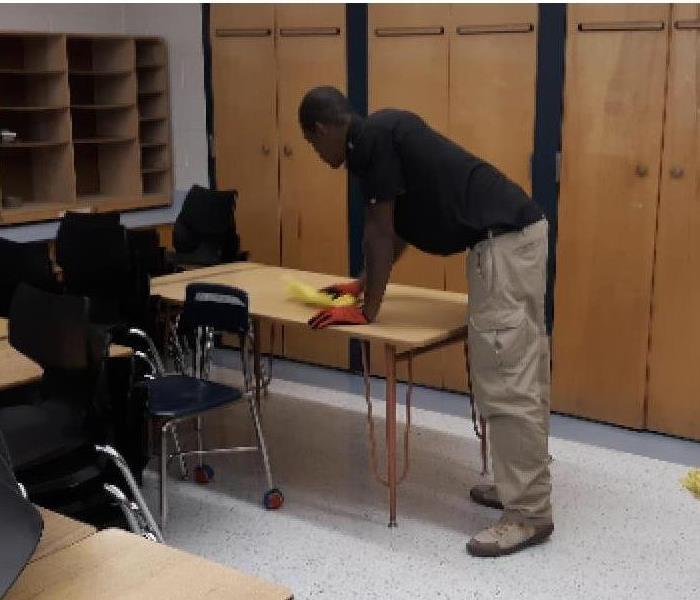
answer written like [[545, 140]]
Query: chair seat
[[37, 433], [180, 396]]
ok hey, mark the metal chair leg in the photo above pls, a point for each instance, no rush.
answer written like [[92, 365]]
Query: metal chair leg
[[261, 439], [181, 459], [163, 474], [200, 446]]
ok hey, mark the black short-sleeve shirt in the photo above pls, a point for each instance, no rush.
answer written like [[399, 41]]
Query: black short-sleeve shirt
[[446, 199]]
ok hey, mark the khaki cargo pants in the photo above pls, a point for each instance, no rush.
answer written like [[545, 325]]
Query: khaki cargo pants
[[509, 362]]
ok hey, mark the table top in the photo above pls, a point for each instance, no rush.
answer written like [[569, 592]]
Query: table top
[[16, 369], [409, 316], [59, 533], [113, 564]]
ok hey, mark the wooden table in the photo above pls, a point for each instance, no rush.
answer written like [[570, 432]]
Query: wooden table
[[16, 369], [115, 565], [411, 321], [59, 533]]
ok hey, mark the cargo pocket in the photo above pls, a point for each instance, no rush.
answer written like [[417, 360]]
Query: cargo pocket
[[498, 340]]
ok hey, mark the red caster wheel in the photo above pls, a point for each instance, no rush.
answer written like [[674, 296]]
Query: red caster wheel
[[203, 474], [273, 499]]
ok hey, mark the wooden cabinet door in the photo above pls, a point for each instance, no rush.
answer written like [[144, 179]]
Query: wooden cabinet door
[[493, 71], [311, 52], [245, 128], [408, 69], [674, 373], [613, 113]]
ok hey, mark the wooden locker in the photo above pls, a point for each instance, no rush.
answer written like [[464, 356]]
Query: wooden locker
[[408, 69], [244, 83], [493, 71], [245, 128], [674, 373], [311, 52], [613, 113]]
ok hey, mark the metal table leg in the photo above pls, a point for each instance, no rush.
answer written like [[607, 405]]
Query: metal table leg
[[390, 354]]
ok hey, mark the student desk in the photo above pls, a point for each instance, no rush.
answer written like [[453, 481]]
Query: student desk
[[412, 321], [16, 369], [59, 533], [116, 565]]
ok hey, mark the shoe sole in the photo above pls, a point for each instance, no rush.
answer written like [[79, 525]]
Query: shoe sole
[[485, 552], [484, 502]]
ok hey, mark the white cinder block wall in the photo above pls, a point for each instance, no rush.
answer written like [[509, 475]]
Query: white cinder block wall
[[181, 26]]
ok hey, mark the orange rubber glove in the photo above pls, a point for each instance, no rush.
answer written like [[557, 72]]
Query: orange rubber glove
[[340, 315], [336, 290]]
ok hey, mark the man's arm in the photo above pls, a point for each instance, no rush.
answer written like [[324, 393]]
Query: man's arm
[[382, 248]]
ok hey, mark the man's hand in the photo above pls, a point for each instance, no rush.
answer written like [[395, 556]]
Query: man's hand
[[336, 290], [341, 315]]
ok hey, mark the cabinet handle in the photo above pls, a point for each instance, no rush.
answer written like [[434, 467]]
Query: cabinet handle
[[623, 26], [298, 226], [486, 29], [243, 32], [309, 31], [287, 150], [695, 24], [642, 170], [677, 172], [408, 31], [266, 150]]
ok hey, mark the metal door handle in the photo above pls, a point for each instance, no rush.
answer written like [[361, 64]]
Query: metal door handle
[[677, 172], [642, 170], [287, 150], [266, 149]]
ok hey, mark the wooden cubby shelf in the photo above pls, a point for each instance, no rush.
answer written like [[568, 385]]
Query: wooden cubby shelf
[[91, 114], [31, 72]]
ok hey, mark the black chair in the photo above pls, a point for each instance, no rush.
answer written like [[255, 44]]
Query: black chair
[[176, 398], [52, 438], [20, 524], [97, 260], [205, 230], [24, 262]]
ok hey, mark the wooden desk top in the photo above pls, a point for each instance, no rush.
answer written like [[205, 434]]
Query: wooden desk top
[[59, 532], [410, 316], [113, 564], [16, 369]]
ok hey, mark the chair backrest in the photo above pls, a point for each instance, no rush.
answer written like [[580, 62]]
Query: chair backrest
[[97, 261], [53, 329], [24, 262], [87, 244], [221, 307], [206, 227]]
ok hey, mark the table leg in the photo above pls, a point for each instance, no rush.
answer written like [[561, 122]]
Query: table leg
[[390, 354]]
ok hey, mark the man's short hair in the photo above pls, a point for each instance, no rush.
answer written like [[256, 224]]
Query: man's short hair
[[325, 105]]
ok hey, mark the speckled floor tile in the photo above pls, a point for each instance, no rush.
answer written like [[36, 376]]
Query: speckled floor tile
[[624, 527]]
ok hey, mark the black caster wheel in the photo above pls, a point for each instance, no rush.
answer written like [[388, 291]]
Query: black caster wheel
[[273, 499]]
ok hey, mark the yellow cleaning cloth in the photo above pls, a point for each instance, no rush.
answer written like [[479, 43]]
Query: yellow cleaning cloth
[[692, 482], [303, 292]]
